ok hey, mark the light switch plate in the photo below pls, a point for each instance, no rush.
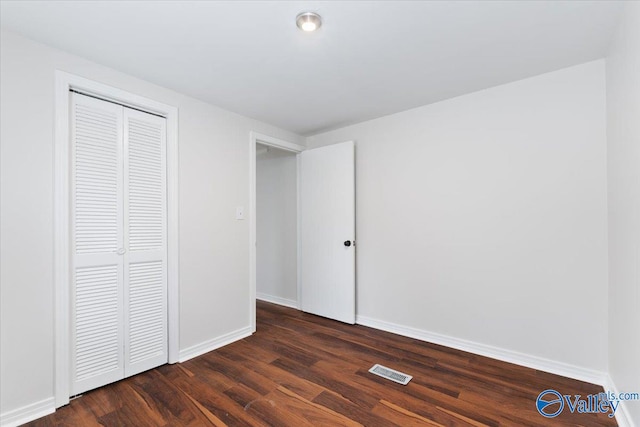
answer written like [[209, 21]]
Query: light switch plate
[[239, 213]]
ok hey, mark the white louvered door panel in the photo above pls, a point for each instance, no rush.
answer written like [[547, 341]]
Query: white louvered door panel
[[145, 234], [97, 353]]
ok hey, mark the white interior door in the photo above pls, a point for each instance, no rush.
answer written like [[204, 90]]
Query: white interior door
[[327, 231], [119, 243], [145, 259], [97, 353]]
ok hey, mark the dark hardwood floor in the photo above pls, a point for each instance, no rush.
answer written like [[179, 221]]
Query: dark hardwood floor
[[304, 370]]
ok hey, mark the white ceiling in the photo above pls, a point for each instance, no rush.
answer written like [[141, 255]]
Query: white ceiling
[[369, 59]]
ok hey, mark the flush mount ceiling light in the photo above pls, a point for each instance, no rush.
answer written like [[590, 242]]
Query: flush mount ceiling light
[[308, 21]]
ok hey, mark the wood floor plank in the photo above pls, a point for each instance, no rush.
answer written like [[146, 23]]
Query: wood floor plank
[[313, 412], [349, 409], [215, 421], [300, 386], [217, 403], [303, 370], [402, 416]]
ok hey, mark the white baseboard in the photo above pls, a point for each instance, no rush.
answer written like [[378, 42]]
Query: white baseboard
[[277, 300], [28, 413], [622, 413], [207, 346], [522, 359]]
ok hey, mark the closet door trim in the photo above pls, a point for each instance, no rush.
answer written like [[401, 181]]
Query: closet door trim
[[64, 84]]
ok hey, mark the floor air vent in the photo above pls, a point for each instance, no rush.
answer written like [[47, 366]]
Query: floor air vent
[[390, 374]]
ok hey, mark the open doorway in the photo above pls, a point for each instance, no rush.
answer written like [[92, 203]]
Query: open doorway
[[274, 252], [276, 226], [324, 227]]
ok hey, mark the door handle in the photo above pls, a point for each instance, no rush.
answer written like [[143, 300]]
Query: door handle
[[347, 243], [121, 251]]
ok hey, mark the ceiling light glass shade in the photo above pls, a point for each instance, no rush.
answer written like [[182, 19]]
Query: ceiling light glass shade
[[308, 21]]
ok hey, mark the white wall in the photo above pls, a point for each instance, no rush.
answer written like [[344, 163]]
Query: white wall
[[484, 217], [623, 126], [214, 179], [276, 224]]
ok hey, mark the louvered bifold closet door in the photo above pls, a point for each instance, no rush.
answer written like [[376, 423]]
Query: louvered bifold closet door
[[146, 241], [97, 338]]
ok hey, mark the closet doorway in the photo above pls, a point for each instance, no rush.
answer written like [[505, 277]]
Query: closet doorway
[[118, 242], [116, 235]]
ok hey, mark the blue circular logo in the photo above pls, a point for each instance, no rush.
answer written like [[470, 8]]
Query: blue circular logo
[[547, 401]]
